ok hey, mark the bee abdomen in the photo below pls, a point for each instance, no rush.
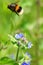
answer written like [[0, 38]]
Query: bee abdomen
[[20, 8]]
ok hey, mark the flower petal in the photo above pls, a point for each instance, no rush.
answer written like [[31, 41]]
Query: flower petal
[[27, 54], [24, 63], [18, 36], [29, 45], [12, 56]]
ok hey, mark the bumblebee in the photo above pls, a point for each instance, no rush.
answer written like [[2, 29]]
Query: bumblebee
[[16, 8]]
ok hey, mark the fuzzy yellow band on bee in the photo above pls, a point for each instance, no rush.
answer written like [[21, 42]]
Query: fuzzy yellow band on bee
[[17, 7]]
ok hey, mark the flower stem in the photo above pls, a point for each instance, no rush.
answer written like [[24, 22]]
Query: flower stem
[[37, 35], [17, 53]]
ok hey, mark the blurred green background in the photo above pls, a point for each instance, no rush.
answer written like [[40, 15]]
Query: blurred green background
[[30, 23]]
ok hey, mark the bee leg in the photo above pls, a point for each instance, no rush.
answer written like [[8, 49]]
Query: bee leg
[[17, 13]]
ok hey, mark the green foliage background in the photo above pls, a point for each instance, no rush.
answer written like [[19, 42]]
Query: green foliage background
[[30, 23]]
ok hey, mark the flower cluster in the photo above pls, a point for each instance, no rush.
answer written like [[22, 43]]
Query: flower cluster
[[20, 37], [22, 42], [27, 58]]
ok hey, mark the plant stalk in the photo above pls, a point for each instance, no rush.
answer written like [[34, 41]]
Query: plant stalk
[[17, 53], [37, 31]]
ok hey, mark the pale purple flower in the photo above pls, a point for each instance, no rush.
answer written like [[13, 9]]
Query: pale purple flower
[[21, 35], [29, 44], [27, 54], [29, 63], [27, 60], [27, 57], [12, 56], [24, 63], [18, 36]]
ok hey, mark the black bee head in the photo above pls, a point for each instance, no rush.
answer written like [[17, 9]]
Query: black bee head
[[11, 6]]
